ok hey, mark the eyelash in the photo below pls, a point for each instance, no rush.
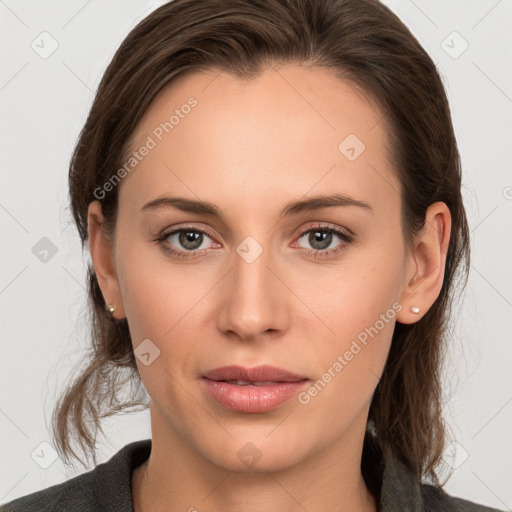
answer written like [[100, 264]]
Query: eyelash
[[345, 238]]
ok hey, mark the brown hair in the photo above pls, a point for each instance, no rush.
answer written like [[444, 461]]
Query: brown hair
[[362, 41]]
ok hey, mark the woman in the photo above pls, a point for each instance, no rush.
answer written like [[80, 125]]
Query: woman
[[270, 193]]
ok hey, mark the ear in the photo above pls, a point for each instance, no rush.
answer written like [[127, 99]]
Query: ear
[[102, 256], [425, 264]]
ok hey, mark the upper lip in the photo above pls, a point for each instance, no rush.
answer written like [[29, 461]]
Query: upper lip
[[257, 374]]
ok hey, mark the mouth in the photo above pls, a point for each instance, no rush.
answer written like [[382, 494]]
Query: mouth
[[252, 390]]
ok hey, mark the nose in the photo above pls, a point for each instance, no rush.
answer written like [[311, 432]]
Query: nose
[[254, 299]]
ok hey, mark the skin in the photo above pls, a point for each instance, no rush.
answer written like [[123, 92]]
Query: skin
[[250, 147]]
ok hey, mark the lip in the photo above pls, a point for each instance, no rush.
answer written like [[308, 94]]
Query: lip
[[276, 387], [261, 373]]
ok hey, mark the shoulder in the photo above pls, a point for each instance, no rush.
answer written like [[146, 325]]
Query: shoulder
[[74, 494], [435, 498], [402, 490], [106, 487]]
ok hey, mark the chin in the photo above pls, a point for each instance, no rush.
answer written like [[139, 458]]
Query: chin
[[251, 457]]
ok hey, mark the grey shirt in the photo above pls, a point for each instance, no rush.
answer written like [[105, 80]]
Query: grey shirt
[[108, 488]]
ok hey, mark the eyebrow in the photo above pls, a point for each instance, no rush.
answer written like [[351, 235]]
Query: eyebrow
[[292, 208]]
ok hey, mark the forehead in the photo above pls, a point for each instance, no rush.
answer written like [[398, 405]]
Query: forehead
[[290, 129]]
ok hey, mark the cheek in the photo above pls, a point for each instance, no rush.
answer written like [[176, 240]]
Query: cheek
[[156, 293], [159, 306], [165, 303], [359, 305], [365, 286], [349, 361]]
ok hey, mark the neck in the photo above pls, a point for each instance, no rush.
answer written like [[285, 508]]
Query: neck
[[176, 477]]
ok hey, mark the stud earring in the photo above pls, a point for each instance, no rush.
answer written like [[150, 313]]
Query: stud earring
[[110, 308], [415, 309]]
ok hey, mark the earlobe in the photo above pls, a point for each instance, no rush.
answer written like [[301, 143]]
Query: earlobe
[[427, 264], [103, 260]]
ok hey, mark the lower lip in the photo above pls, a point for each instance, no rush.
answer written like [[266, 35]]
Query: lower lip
[[252, 398]]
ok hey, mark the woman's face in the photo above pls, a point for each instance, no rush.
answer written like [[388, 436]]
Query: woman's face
[[260, 283]]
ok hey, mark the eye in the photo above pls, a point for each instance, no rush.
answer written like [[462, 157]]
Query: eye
[[185, 242], [190, 242], [321, 238]]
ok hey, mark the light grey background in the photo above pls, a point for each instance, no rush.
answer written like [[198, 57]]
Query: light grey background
[[44, 104]]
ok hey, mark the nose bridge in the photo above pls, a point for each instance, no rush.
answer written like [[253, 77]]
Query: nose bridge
[[251, 303]]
